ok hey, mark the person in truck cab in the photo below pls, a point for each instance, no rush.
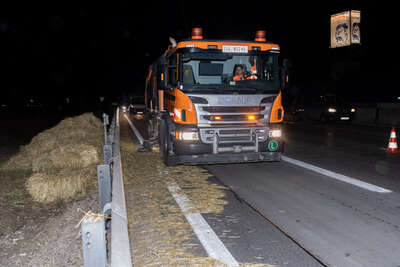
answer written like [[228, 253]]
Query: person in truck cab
[[253, 71], [239, 73]]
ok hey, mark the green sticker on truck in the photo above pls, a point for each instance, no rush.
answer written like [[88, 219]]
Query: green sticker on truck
[[272, 145]]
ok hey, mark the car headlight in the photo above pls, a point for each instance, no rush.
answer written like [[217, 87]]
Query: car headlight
[[275, 133], [187, 136], [353, 110], [331, 110]]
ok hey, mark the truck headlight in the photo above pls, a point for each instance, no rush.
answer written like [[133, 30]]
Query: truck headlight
[[353, 110], [331, 110], [275, 133], [187, 136]]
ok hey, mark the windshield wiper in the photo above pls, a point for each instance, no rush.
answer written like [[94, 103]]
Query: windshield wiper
[[245, 86], [218, 89], [215, 86], [263, 90], [227, 87]]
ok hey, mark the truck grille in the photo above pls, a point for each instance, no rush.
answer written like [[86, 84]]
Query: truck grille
[[224, 135], [221, 109], [233, 110], [234, 131], [231, 117]]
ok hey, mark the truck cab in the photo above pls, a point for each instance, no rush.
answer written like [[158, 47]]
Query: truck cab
[[215, 101]]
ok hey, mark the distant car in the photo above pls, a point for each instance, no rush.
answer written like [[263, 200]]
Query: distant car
[[34, 103], [329, 107], [124, 108], [137, 105], [4, 104]]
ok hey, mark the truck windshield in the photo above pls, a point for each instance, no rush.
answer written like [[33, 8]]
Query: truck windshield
[[231, 71]]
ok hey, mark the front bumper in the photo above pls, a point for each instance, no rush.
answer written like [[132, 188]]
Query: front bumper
[[228, 158], [227, 145], [197, 148]]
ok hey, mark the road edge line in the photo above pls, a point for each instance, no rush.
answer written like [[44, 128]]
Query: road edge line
[[337, 176], [214, 247], [136, 131]]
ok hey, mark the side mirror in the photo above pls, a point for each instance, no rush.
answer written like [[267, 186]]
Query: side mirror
[[163, 74], [285, 73]]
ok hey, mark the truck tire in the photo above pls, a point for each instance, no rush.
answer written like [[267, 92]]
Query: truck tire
[[152, 129], [150, 126], [166, 145]]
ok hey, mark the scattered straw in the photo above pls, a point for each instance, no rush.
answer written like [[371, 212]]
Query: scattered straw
[[89, 215]]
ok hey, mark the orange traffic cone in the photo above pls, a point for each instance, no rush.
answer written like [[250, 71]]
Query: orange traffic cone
[[392, 147]]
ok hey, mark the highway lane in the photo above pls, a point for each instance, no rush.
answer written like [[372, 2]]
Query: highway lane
[[338, 223], [353, 150], [341, 224], [248, 236]]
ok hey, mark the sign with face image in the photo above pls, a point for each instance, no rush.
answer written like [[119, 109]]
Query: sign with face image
[[340, 32], [345, 28], [355, 27]]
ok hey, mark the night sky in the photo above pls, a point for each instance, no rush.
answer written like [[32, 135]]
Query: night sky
[[93, 51]]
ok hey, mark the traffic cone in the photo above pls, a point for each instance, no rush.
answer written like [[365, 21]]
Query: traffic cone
[[392, 147]]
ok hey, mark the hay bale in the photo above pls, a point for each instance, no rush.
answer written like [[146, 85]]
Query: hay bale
[[63, 159], [64, 186], [67, 135], [74, 156]]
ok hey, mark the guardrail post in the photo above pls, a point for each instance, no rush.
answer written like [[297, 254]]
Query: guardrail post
[[113, 121], [94, 242], [104, 180], [108, 154], [105, 123], [111, 135]]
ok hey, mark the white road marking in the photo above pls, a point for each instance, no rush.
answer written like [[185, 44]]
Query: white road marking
[[337, 176], [138, 135], [206, 235]]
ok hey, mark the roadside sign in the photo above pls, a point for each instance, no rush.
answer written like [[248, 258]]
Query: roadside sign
[[355, 19], [345, 28]]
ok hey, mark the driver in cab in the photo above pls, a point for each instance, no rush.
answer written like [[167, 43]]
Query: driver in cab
[[239, 73]]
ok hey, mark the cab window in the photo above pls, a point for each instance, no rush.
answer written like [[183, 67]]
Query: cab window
[[172, 70]]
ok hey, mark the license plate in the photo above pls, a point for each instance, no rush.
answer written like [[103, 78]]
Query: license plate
[[344, 118], [234, 49]]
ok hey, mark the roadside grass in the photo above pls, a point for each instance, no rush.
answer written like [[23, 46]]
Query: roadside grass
[[16, 198], [13, 188]]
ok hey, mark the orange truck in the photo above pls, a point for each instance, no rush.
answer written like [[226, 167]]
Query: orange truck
[[216, 101]]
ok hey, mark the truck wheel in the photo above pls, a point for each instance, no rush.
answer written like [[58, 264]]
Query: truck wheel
[[166, 145], [150, 129], [150, 126]]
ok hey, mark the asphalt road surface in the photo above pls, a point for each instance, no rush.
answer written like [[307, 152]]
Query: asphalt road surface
[[295, 216], [339, 223]]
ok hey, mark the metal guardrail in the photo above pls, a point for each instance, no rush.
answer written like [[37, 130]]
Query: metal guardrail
[[113, 206]]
